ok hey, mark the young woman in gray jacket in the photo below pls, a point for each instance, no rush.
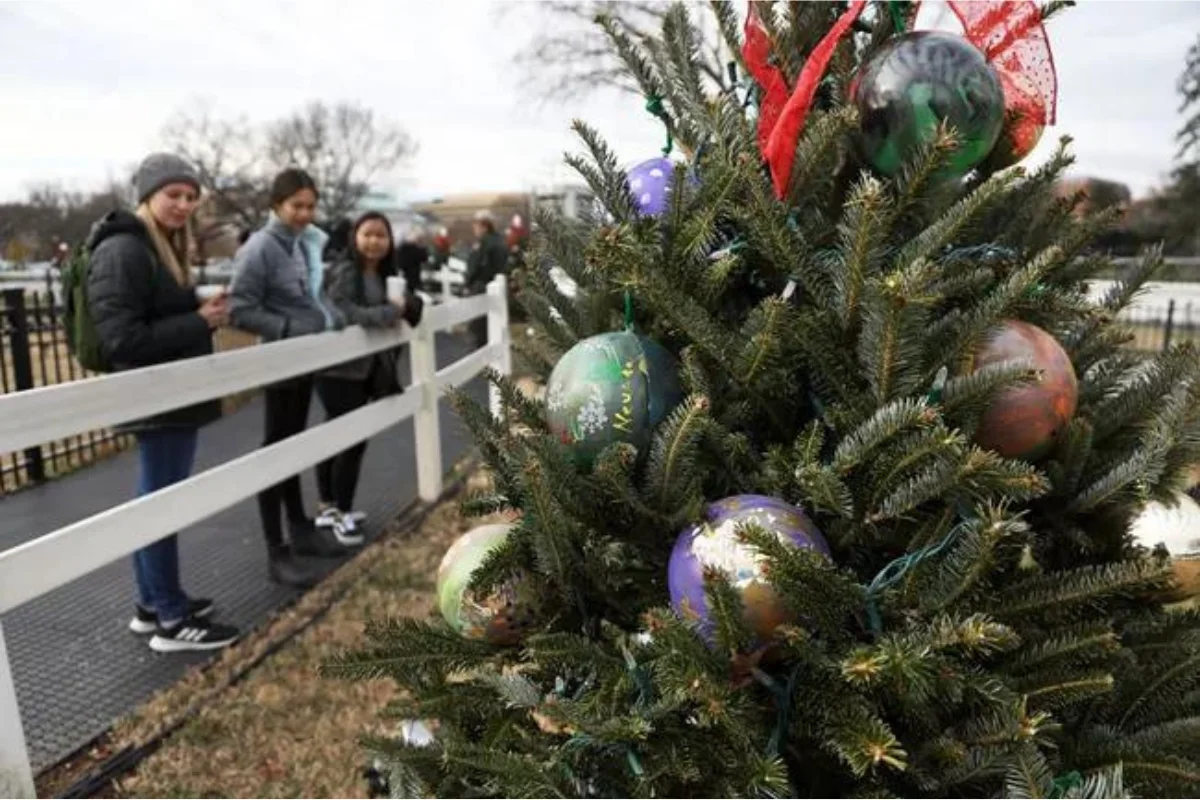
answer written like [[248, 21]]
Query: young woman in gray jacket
[[277, 294], [358, 288]]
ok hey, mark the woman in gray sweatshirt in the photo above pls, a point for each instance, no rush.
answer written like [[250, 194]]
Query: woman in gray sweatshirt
[[276, 293]]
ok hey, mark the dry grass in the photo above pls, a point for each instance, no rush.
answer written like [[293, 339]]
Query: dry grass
[[283, 731]]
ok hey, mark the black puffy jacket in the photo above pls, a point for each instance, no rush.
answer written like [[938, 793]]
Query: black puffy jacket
[[141, 313]]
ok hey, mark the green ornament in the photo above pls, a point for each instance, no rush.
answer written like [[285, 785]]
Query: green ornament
[[501, 617], [916, 82], [614, 387]]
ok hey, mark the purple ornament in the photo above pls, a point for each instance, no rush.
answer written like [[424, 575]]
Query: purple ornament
[[714, 543], [649, 183]]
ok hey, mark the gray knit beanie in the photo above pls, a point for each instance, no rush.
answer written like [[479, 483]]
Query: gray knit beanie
[[160, 169]]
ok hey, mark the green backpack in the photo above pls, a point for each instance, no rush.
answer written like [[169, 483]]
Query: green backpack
[[82, 339]]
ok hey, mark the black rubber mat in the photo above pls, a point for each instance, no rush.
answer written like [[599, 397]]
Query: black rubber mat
[[76, 665]]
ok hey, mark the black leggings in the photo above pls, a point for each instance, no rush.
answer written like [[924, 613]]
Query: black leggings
[[337, 477], [286, 415]]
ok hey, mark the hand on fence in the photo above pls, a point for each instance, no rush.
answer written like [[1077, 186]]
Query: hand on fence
[[215, 311]]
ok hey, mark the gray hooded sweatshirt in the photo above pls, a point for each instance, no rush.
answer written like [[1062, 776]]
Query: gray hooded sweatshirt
[[276, 289]]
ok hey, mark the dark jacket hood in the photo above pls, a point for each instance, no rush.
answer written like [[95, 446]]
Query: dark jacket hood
[[114, 223]]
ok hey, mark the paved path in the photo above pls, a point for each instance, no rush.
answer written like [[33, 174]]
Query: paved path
[[77, 667]]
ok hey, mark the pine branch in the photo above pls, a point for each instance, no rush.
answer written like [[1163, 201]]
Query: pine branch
[[1028, 775], [727, 24], [862, 245], [726, 614], [816, 590], [888, 422], [891, 345], [919, 184], [821, 147], [864, 742], [1162, 691], [1057, 696], [1063, 593], [965, 569], [529, 412], [635, 61], [605, 177], [970, 394], [956, 219], [407, 649], [673, 474]]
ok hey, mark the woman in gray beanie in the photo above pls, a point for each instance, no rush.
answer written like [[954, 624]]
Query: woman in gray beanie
[[146, 312]]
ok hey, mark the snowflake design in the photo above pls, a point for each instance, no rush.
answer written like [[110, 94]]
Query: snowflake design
[[556, 400], [646, 199], [656, 173], [636, 184], [592, 417]]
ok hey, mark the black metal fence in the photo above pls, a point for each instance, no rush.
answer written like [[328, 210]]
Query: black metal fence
[[1157, 327], [33, 353]]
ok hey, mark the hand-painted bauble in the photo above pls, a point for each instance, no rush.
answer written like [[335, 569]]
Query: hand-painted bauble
[[714, 543], [501, 617], [614, 387], [650, 185], [1024, 111], [1022, 421], [1178, 529], [914, 84]]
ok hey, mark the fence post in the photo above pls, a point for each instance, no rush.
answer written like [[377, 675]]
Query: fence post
[[426, 427], [22, 365], [497, 321], [16, 776], [1167, 330]]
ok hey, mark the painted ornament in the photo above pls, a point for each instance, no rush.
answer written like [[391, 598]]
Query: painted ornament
[[1022, 421], [714, 543], [914, 84], [501, 617], [614, 387]]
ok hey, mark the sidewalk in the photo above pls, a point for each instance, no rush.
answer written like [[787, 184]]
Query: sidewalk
[[77, 667]]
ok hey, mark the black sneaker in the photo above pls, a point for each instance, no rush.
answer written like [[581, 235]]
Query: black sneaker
[[145, 621], [309, 540], [193, 634], [285, 569]]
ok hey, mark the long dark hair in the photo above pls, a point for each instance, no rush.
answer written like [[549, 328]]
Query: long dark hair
[[387, 264]]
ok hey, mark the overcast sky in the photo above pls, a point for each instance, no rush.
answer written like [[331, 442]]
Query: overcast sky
[[86, 86]]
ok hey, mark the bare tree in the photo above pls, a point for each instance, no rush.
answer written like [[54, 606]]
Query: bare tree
[[344, 147], [570, 56], [228, 155]]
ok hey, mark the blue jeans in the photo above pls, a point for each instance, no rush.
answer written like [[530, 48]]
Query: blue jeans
[[165, 456]]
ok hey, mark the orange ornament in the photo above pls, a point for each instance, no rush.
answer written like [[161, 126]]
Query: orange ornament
[[1022, 421]]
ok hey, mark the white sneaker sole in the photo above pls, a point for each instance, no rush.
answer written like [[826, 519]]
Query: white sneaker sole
[[161, 645], [348, 539]]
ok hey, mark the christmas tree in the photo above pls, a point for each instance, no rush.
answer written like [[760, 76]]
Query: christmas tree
[[833, 488]]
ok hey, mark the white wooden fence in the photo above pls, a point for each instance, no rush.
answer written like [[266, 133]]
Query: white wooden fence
[[27, 418]]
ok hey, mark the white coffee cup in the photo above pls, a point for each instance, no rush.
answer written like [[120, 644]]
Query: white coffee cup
[[397, 287], [209, 291]]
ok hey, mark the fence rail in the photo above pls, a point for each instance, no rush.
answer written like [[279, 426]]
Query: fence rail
[[29, 417]]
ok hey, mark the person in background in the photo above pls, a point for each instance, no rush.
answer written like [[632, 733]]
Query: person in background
[[489, 258], [358, 287], [146, 312], [411, 257], [276, 293]]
